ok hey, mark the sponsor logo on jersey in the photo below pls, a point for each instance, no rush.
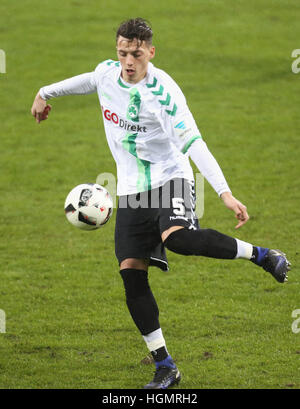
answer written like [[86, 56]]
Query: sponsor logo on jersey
[[122, 123]]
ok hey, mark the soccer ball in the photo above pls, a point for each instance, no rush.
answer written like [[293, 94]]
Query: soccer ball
[[88, 206]]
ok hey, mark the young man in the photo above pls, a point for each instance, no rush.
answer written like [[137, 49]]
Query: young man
[[152, 134]]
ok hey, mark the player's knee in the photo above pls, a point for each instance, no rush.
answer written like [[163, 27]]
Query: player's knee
[[135, 282], [178, 241], [192, 242], [170, 230]]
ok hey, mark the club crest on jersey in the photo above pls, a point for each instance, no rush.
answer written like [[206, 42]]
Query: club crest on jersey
[[134, 105], [132, 111]]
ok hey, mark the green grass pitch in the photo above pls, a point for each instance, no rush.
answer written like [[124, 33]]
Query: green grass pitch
[[227, 324]]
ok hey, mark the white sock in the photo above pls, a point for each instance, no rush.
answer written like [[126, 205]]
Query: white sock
[[244, 250], [155, 340]]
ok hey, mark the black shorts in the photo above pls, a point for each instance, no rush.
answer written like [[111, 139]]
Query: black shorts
[[143, 217]]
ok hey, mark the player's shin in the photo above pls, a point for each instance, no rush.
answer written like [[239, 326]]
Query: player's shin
[[144, 312], [140, 300]]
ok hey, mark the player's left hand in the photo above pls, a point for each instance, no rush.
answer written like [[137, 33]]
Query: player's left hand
[[237, 207]]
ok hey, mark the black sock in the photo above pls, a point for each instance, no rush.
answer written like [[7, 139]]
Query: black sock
[[140, 300], [254, 254], [160, 354]]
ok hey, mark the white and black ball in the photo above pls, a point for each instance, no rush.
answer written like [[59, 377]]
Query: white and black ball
[[88, 206]]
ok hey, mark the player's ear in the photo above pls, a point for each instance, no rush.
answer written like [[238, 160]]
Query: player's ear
[[152, 52]]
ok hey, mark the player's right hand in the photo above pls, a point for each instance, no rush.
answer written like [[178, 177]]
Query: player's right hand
[[40, 109], [237, 207]]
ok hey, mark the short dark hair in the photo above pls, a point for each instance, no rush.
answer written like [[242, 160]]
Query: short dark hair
[[138, 28]]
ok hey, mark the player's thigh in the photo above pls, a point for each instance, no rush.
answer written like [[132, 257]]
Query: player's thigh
[[167, 232], [137, 235], [135, 263]]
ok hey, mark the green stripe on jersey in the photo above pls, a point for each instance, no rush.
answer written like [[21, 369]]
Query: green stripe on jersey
[[129, 142], [190, 142], [144, 180], [144, 175]]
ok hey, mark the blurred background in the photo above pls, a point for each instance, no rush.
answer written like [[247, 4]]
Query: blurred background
[[227, 324]]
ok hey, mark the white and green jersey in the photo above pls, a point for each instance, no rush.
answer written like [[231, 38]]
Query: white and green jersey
[[148, 125]]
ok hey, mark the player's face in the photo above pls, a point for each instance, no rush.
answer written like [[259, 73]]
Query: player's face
[[134, 58]]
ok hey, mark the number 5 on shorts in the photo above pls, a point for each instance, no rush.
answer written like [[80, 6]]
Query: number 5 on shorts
[[178, 206]]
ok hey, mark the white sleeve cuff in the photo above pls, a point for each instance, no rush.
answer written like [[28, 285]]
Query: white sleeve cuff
[[42, 94]]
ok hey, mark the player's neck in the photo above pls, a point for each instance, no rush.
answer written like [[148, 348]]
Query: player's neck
[[134, 80], [131, 83]]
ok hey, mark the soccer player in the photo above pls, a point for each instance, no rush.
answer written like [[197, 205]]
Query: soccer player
[[152, 134]]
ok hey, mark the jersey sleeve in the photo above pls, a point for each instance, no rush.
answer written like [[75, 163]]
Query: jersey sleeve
[[208, 166], [82, 84], [78, 85]]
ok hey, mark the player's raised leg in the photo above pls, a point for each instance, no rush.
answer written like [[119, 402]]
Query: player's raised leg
[[211, 243]]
